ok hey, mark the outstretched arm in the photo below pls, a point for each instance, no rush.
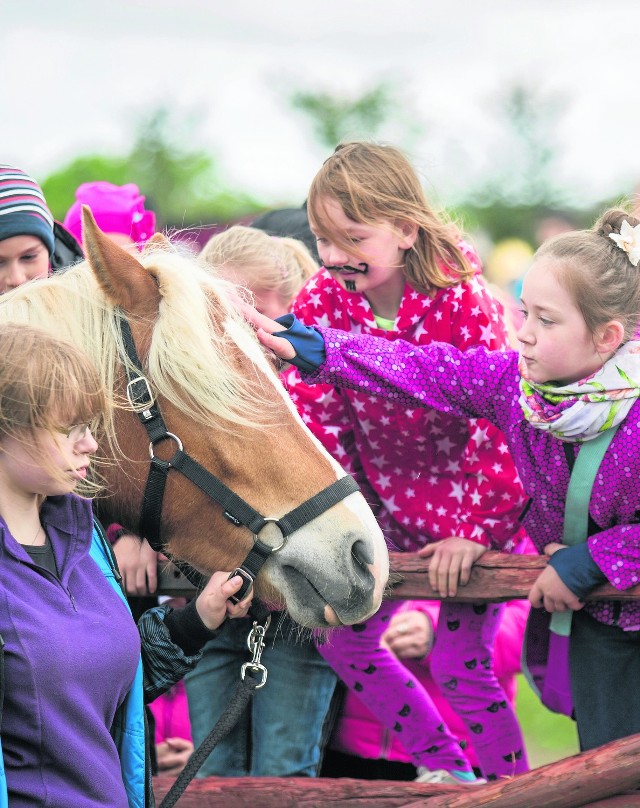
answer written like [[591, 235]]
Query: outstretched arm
[[477, 383]]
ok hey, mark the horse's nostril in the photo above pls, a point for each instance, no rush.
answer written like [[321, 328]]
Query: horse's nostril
[[361, 551]]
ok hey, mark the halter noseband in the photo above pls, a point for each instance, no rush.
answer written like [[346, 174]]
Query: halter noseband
[[236, 510]]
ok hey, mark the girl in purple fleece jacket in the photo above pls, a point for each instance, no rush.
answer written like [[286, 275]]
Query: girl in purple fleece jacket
[[577, 376], [70, 648]]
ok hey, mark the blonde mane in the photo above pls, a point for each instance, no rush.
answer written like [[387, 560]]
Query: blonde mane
[[190, 361]]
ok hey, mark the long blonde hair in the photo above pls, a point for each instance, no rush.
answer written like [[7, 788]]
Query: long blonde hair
[[252, 258], [46, 383], [372, 182]]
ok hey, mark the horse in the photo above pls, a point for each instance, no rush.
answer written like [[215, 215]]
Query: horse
[[204, 372]]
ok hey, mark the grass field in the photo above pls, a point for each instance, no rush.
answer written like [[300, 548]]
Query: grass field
[[548, 736]]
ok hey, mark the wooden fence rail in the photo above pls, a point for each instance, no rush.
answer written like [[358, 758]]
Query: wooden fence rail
[[602, 778], [495, 577]]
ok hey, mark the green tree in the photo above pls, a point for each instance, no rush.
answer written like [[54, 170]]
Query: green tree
[[335, 117], [59, 187], [522, 189], [524, 173], [184, 187]]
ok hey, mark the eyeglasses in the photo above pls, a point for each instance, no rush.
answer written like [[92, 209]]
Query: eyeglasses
[[76, 432]]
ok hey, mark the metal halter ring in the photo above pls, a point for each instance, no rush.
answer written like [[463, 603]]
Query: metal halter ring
[[161, 438], [284, 538]]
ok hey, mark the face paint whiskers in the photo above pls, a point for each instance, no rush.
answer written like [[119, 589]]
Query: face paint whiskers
[[346, 269]]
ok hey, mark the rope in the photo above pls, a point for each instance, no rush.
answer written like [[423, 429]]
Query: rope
[[226, 722]]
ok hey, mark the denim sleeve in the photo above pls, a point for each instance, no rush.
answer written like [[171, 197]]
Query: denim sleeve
[[577, 570], [307, 341]]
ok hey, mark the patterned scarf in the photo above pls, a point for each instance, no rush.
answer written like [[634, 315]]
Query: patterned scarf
[[580, 411]]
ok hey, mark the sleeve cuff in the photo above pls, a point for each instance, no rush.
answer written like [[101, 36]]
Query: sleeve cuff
[[577, 569], [114, 532], [473, 533], [187, 630], [307, 341]]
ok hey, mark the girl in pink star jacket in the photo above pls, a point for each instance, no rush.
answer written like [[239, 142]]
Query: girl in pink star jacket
[[394, 269], [575, 380]]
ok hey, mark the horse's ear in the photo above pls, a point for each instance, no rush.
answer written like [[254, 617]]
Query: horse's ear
[[158, 241], [122, 277]]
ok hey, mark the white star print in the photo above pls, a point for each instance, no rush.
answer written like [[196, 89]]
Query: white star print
[[445, 445], [480, 435], [384, 480], [486, 334], [457, 491]]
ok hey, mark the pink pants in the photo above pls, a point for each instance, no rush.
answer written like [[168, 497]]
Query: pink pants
[[461, 664]]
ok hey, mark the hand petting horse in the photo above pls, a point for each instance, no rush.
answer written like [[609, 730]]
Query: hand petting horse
[[233, 461]]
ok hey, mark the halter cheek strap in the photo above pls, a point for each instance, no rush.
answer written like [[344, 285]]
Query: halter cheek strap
[[235, 509]]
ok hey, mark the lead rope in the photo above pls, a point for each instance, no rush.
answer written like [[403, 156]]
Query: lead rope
[[230, 717]]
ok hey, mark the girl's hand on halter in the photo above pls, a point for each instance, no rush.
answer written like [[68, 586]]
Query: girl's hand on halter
[[213, 604], [451, 562], [550, 591], [266, 328]]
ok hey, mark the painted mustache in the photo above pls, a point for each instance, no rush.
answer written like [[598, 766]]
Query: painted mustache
[[362, 268]]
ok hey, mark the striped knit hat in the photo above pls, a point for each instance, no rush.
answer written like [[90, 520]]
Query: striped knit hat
[[23, 210]]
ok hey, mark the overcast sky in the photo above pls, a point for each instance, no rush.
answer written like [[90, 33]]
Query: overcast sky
[[76, 76]]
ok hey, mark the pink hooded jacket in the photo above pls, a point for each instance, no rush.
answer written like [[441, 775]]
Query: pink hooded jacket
[[426, 475]]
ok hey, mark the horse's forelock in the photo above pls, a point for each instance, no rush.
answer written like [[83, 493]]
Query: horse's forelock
[[192, 360]]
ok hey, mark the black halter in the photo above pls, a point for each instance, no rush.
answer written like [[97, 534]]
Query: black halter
[[236, 510]]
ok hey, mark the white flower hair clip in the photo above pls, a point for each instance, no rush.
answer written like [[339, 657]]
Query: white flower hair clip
[[628, 239]]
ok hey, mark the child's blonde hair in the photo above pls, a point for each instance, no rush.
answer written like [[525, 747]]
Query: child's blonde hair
[[372, 182], [252, 258], [598, 274], [45, 384]]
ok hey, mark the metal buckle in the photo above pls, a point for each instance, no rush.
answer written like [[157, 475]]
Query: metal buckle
[[135, 396], [248, 583]]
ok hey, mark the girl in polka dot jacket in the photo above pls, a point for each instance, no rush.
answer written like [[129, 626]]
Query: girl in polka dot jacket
[[576, 378], [394, 269]]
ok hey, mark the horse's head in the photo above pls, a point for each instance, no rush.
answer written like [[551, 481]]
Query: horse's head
[[221, 398]]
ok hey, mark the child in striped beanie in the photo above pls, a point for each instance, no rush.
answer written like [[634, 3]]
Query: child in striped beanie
[[26, 229]]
